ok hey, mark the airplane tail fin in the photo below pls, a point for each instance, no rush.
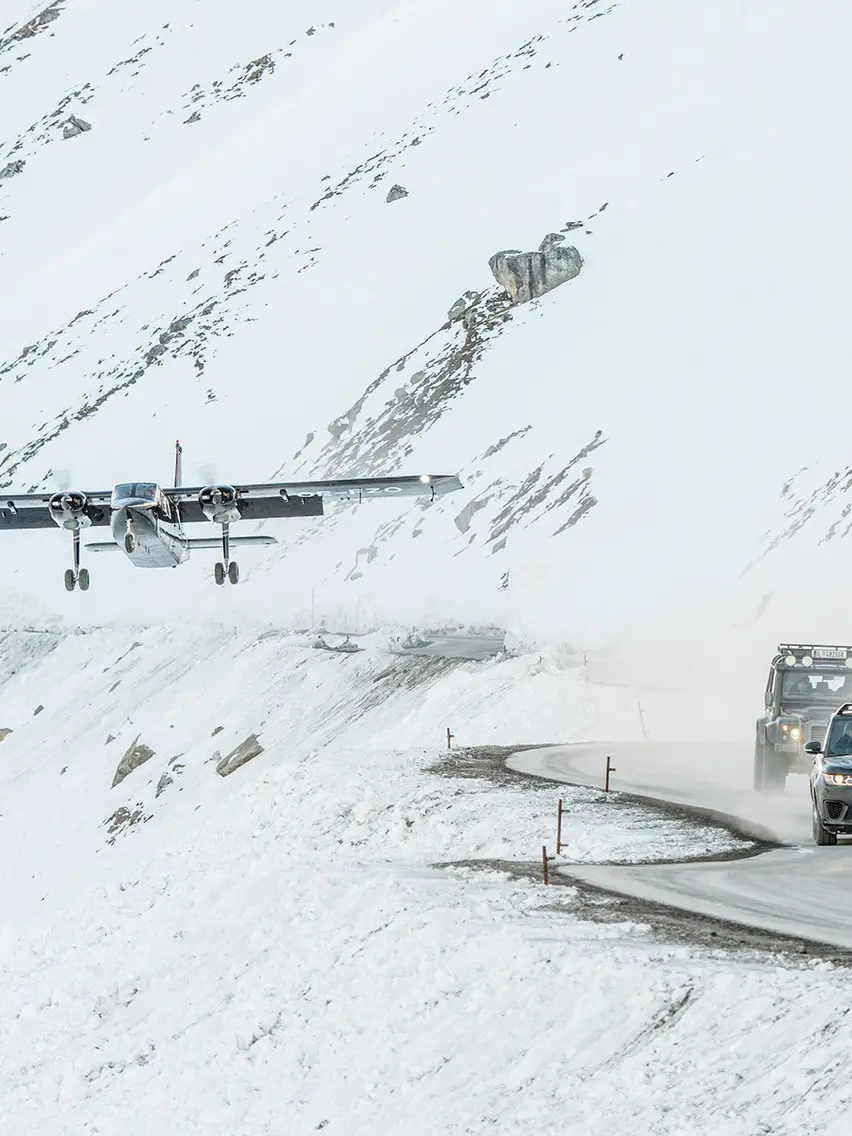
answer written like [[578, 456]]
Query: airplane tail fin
[[178, 464]]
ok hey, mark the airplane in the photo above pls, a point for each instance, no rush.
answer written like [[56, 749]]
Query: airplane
[[147, 520]]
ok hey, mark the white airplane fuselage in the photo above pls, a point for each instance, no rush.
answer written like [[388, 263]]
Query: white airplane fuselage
[[147, 538]]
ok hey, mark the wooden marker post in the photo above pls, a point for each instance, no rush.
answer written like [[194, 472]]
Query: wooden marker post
[[544, 863], [559, 827], [449, 738], [610, 768]]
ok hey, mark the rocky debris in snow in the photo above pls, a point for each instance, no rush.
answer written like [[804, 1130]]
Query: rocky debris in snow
[[124, 818], [73, 126], [528, 275], [245, 752], [109, 739], [217, 730], [166, 779], [396, 192], [11, 169], [135, 755], [462, 305], [38, 709], [371, 442], [37, 24], [4, 734]]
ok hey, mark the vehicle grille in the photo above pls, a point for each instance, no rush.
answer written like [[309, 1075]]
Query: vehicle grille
[[834, 810], [817, 733]]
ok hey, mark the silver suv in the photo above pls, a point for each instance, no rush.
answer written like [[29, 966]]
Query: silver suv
[[806, 684]]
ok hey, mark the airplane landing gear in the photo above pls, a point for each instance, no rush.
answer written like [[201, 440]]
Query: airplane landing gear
[[229, 568], [77, 575]]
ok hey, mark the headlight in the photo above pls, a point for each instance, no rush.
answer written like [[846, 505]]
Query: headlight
[[807, 661], [795, 732], [837, 778]]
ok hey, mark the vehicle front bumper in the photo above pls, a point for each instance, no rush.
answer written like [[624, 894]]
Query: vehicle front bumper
[[834, 806]]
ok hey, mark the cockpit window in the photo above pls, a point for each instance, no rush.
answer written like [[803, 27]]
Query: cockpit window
[[817, 687], [135, 490]]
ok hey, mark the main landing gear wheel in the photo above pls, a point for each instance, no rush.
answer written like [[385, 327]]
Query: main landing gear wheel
[[76, 575], [219, 572], [129, 543], [234, 572]]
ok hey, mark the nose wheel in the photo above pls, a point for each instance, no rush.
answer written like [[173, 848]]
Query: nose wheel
[[229, 568], [77, 576]]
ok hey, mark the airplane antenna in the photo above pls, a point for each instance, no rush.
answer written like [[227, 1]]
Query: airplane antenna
[[178, 463]]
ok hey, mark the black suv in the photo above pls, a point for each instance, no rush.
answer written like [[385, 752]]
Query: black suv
[[806, 685], [831, 779]]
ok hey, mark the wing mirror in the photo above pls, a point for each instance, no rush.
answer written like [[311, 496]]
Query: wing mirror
[[813, 747]]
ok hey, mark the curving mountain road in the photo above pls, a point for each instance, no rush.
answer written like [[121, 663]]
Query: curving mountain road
[[798, 890]]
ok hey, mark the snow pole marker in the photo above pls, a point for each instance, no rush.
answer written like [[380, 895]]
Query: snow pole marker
[[449, 738], [559, 827], [610, 768], [544, 863]]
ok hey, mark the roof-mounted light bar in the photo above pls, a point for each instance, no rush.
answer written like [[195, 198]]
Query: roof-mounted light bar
[[805, 655]]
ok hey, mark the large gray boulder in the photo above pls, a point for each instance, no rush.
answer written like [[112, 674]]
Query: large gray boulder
[[135, 755], [73, 125], [244, 752], [527, 275]]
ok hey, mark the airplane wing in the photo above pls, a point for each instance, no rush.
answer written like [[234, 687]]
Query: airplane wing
[[29, 510], [305, 498]]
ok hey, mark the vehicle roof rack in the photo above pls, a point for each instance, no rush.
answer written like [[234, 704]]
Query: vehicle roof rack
[[782, 647]]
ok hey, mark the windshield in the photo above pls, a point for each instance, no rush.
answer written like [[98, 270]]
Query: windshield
[[840, 741], [831, 686], [146, 490]]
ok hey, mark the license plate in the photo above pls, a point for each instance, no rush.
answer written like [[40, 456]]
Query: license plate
[[829, 654]]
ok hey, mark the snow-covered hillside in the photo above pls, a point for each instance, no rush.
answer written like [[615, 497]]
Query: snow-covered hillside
[[196, 241], [216, 259]]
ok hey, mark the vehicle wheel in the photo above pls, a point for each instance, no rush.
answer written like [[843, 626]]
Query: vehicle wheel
[[234, 572], [83, 579], [821, 834], [219, 572], [129, 543], [70, 580], [759, 751]]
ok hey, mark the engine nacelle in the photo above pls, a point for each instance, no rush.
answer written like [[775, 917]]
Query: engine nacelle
[[219, 503], [70, 510]]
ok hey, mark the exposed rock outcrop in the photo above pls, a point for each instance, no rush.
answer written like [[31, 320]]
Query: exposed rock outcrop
[[463, 304], [244, 752], [135, 755], [396, 192], [12, 168], [4, 734], [73, 126], [527, 275]]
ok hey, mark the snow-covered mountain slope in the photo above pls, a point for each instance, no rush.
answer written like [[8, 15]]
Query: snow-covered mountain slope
[[215, 258], [273, 951]]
